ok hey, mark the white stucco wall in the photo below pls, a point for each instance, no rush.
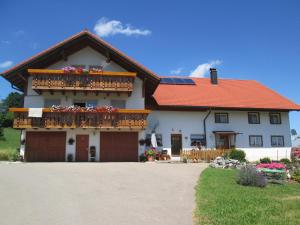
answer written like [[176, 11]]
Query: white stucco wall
[[86, 56], [188, 123]]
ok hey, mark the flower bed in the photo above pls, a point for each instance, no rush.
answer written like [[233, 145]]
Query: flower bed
[[277, 166], [275, 172], [79, 70], [75, 109]]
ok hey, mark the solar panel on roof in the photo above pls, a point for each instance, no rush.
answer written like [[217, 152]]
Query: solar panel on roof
[[189, 81], [166, 81], [177, 81]]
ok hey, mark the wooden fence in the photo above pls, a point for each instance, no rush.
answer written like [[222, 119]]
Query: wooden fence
[[202, 155]]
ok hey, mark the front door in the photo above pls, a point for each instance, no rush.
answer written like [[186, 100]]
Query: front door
[[176, 144], [223, 141], [82, 148]]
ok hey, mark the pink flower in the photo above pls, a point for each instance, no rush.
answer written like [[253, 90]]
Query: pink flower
[[278, 166]]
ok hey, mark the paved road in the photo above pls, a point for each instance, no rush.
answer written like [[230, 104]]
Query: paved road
[[97, 193]]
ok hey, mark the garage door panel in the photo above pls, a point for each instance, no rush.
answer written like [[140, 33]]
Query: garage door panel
[[118, 146], [45, 146]]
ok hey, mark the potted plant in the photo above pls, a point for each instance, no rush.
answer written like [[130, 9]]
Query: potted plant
[[150, 154]]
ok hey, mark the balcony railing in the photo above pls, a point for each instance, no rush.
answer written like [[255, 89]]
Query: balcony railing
[[105, 81], [123, 118]]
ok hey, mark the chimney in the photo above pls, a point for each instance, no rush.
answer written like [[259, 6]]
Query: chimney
[[213, 76]]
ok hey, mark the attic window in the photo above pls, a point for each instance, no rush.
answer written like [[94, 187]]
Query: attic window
[[95, 67]]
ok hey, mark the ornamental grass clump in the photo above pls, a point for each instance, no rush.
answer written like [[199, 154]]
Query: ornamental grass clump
[[249, 176]]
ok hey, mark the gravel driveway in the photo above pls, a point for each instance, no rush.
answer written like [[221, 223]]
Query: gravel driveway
[[97, 193]]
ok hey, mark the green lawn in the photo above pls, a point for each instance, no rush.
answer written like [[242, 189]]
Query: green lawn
[[221, 201], [11, 140]]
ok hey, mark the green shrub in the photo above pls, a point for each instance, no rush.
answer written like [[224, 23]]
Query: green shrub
[[249, 176], [4, 155], [143, 158], [265, 160], [286, 161], [238, 155], [296, 175], [13, 156]]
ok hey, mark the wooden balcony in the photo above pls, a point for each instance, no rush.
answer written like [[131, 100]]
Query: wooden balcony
[[105, 81], [122, 119]]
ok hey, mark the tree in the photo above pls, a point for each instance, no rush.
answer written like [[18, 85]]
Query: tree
[[14, 99], [293, 132]]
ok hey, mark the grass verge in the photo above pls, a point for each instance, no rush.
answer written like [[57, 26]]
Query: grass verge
[[221, 201], [9, 143]]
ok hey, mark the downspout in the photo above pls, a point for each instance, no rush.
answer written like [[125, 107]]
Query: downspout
[[204, 126], [15, 88]]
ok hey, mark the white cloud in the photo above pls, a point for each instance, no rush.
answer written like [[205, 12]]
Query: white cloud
[[176, 71], [105, 27], [5, 64], [202, 69]]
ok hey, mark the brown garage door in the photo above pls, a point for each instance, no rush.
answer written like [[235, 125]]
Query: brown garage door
[[45, 146], [118, 146]]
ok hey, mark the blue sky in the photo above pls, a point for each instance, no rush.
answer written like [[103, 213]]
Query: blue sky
[[244, 39]]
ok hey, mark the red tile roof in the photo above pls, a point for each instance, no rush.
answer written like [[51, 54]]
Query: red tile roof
[[228, 93]]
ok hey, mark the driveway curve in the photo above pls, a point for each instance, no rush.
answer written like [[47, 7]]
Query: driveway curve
[[97, 193]]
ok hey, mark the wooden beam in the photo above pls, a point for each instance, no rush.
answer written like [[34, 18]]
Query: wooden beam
[[103, 73], [22, 77]]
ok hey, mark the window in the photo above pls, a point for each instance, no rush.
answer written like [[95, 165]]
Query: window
[[221, 117], [198, 140], [119, 104], [275, 118], [158, 140], [79, 104], [87, 103], [277, 141], [253, 118], [91, 103], [95, 67], [51, 102], [256, 140]]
